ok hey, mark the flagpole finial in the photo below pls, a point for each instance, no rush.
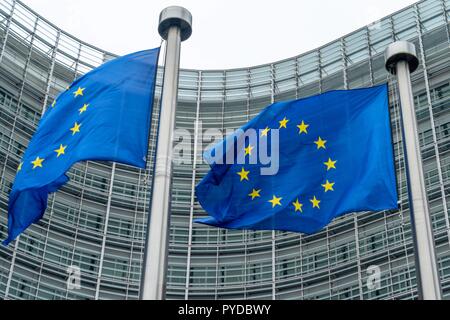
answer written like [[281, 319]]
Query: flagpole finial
[[175, 16], [401, 51]]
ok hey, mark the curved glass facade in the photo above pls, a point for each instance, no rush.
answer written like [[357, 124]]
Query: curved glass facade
[[97, 222]]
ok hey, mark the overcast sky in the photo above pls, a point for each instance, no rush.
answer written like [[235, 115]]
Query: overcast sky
[[226, 34]]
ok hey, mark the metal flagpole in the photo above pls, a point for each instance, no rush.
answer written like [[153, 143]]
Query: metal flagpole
[[401, 59], [175, 26]]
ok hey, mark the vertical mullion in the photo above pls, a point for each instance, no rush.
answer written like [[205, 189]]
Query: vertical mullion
[[358, 257], [8, 25], [194, 176], [11, 268], [446, 20], [433, 123], [27, 63], [50, 74], [105, 230], [272, 98], [344, 63]]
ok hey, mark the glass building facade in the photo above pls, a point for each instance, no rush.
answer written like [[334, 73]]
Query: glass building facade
[[97, 222]]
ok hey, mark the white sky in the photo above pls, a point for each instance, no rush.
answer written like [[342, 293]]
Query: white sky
[[226, 34]]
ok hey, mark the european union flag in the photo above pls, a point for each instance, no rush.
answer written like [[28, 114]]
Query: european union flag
[[104, 115], [334, 154]]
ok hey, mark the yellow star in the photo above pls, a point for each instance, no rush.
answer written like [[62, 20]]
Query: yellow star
[[79, 92], [19, 168], [61, 150], [37, 163], [76, 128], [315, 202], [328, 186], [320, 143], [255, 194], [275, 201], [84, 109], [298, 206], [54, 103], [265, 132], [330, 164], [243, 174], [303, 127], [248, 150], [283, 123]]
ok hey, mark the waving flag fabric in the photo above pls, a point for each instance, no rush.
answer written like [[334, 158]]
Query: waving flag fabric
[[335, 157], [104, 115]]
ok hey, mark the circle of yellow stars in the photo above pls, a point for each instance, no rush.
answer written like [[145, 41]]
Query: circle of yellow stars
[[76, 129], [277, 201]]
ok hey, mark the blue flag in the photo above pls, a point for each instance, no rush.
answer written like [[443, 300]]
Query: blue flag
[[104, 115], [334, 156]]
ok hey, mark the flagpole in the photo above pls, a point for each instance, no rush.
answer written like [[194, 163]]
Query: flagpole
[[175, 26], [401, 59]]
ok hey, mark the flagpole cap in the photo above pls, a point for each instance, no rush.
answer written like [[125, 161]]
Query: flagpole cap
[[401, 51], [175, 16]]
